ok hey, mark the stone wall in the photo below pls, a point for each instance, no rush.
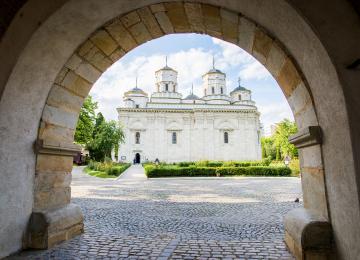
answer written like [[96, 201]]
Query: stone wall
[[48, 92]]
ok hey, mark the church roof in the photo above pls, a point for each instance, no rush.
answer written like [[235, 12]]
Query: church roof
[[166, 68], [239, 88], [213, 70], [136, 90], [192, 97]]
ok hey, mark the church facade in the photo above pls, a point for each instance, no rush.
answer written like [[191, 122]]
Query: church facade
[[170, 128]]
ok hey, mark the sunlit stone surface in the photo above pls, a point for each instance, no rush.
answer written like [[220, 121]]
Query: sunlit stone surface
[[179, 218]]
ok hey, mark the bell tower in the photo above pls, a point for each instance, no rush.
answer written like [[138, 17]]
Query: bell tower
[[214, 83], [166, 79]]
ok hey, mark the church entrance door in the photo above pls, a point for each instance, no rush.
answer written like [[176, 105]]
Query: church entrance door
[[137, 158]]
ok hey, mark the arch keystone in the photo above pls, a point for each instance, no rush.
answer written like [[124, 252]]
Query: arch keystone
[[159, 12], [177, 16], [212, 20], [195, 17], [229, 25]]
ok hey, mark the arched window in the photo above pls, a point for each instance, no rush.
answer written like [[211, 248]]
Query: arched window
[[173, 138], [221, 90], [205, 92], [226, 137], [212, 90], [239, 97], [136, 106], [166, 87], [137, 137]]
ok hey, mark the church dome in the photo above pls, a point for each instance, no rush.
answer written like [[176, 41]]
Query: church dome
[[239, 88], [192, 97], [213, 70], [136, 90], [166, 67]]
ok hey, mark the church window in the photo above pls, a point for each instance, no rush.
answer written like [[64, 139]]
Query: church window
[[173, 138], [205, 92], [173, 88], [137, 106], [212, 90], [166, 87], [137, 137], [221, 90], [226, 137], [239, 97]]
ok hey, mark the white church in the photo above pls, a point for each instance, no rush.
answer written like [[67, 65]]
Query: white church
[[170, 128]]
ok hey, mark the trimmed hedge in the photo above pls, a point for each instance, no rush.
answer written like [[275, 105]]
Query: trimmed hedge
[[205, 163], [192, 171], [253, 171], [173, 171]]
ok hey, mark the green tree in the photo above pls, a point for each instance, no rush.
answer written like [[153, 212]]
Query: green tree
[[285, 129], [99, 121], [86, 123], [268, 148], [107, 136]]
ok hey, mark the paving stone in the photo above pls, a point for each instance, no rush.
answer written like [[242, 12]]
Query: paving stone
[[168, 219]]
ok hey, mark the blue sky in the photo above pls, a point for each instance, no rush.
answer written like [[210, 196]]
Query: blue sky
[[191, 55]]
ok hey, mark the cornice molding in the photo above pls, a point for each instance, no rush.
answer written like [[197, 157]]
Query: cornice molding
[[306, 137], [42, 146]]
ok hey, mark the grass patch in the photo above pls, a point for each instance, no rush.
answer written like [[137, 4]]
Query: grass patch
[[106, 169], [98, 173]]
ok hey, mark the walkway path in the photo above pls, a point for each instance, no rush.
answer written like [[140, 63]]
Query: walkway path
[[134, 172], [178, 218]]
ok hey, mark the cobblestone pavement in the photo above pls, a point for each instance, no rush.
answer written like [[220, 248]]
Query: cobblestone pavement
[[178, 218]]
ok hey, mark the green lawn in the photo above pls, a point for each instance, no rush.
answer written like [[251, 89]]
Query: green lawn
[[112, 171], [98, 173]]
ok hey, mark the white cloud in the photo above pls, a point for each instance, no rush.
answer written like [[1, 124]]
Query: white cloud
[[254, 70], [191, 64], [272, 113], [232, 55], [120, 77]]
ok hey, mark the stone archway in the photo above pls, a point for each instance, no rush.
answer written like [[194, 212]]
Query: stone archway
[[118, 36], [54, 219]]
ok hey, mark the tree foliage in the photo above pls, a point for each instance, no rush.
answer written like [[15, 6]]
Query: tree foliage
[[86, 122], [278, 146], [98, 135], [108, 135]]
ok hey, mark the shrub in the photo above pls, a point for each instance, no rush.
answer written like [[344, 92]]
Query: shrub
[[173, 171], [267, 161], [202, 163], [108, 168], [243, 163], [185, 164], [193, 171], [253, 171], [295, 167], [208, 163]]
